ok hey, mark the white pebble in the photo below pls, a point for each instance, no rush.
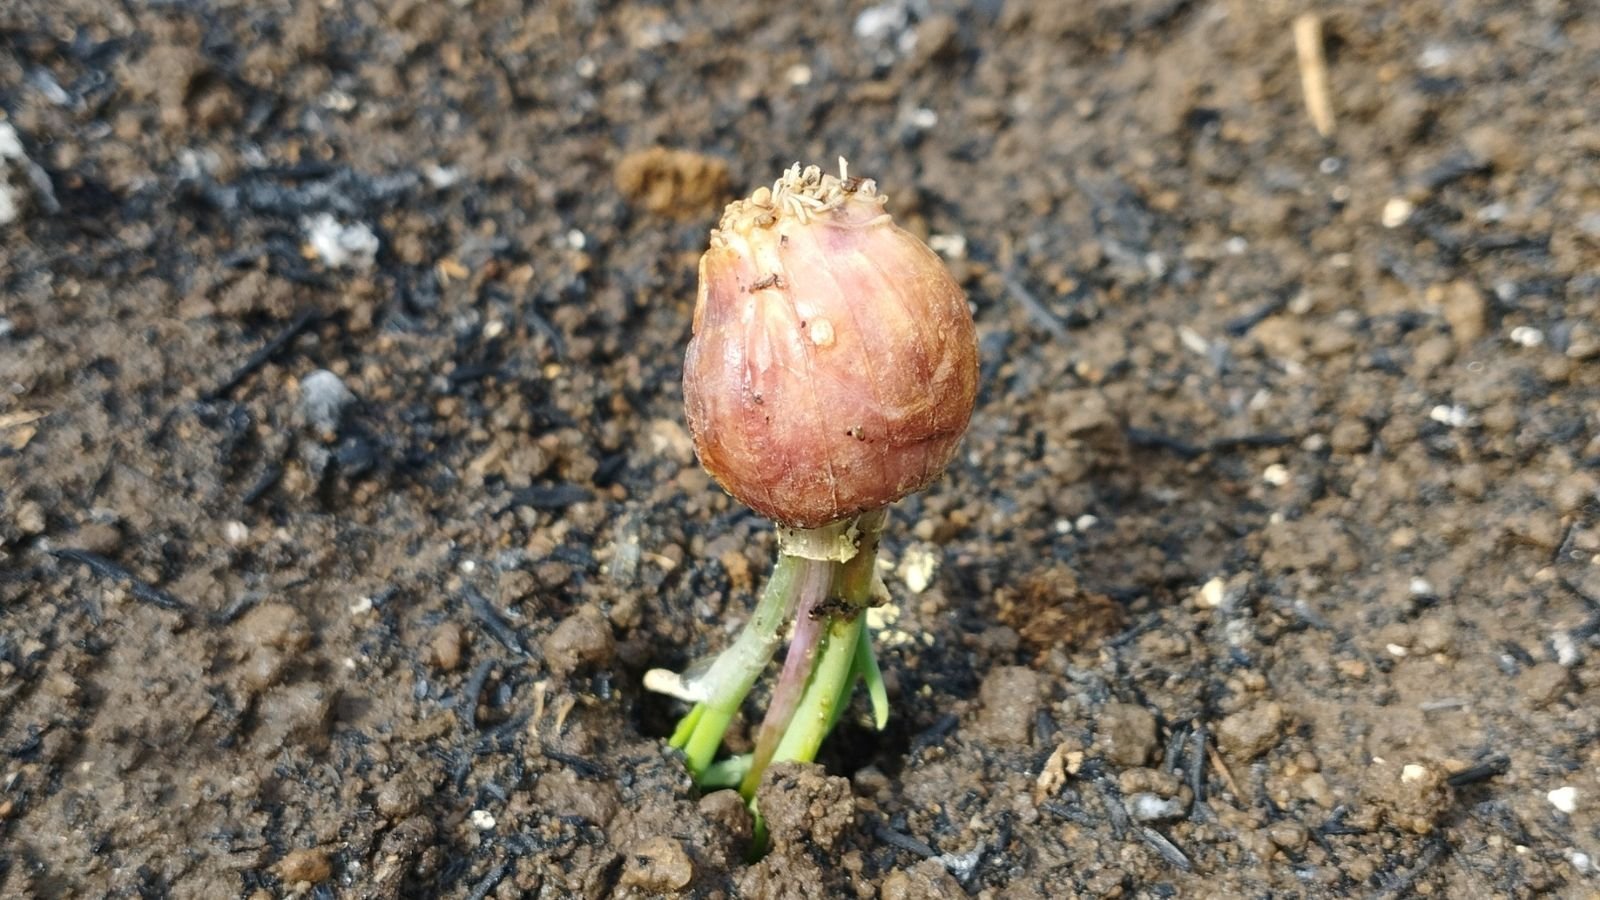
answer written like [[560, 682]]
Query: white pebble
[[949, 246], [1413, 773], [1494, 212], [338, 101], [1086, 522], [1524, 336], [1566, 649], [1421, 587], [10, 151], [362, 606], [10, 206], [323, 398], [875, 23], [235, 532], [1211, 594], [799, 75], [1435, 56], [1192, 340], [918, 566], [1396, 650], [339, 245], [441, 177], [1580, 861], [482, 819], [1276, 475], [10, 142], [1454, 416], [1146, 807], [1397, 212], [1563, 798]]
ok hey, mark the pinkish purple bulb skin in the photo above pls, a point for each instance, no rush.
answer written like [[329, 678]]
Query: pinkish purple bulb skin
[[834, 362]]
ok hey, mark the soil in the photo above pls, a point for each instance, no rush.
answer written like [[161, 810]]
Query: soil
[[345, 495]]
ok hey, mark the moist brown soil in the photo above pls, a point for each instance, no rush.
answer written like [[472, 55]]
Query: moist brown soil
[[1268, 566]]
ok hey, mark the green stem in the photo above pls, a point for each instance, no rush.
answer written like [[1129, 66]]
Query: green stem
[[722, 687], [809, 629], [826, 694], [872, 677], [816, 683], [830, 650]]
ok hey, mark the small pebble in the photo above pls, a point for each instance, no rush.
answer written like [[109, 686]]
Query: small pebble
[[339, 245], [1564, 799], [444, 648], [1126, 733], [1566, 647], [1148, 807], [1465, 309], [1009, 700], [29, 517], [305, 866], [1276, 475], [582, 639], [949, 246], [1397, 212], [918, 565], [1544, 684], [659, 865], [1524, 336], [1287, 834], [235, 532], [1251, 732], [323, 399], [1583, 343], [481, 819]]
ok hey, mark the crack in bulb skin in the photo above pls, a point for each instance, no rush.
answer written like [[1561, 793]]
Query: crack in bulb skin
[[834, 362]]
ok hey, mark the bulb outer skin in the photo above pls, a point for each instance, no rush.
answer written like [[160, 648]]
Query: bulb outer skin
[[834, 362]]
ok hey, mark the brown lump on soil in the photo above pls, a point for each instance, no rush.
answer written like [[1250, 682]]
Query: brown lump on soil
[[675, 182], [1007, 702], [310, 866], [659, 865], [927, 880], [1249, 733], [1049, 609], [1126, 733], [583, 639]]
